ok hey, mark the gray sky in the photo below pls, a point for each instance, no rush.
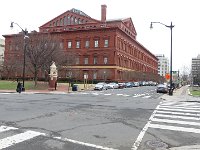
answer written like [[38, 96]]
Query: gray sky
[[184, 14]]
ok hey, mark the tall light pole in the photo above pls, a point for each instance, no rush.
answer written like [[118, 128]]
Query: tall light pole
[[170, 26], [24, 62]]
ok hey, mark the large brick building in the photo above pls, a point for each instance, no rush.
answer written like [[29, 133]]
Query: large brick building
[[105, 49]]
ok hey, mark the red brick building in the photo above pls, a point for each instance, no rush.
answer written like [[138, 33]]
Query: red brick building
[[105, 49]]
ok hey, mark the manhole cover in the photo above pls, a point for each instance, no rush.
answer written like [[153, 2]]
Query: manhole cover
[[156, 144]]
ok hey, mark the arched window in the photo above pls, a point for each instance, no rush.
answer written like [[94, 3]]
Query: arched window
[[61, 22], [72, 20], [65, 20], [68, 20], [75, 21]]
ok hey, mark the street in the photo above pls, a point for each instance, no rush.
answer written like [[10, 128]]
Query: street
[[90, 120]]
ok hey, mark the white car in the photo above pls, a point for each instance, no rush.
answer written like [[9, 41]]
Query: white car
[[101, 86], [113, 85]]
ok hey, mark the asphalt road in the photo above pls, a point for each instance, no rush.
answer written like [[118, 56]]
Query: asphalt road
[[106, 120]]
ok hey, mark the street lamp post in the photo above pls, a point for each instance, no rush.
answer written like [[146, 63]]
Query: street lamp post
[[170, 26], [24, 62]]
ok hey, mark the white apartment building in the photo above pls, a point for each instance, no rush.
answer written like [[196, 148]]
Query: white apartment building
[[163, 65], [196, 70], [2, 49]]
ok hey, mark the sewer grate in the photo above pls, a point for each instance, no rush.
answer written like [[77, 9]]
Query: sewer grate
[[156, 144]]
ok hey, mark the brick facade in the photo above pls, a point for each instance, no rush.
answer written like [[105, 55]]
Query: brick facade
[[105, 50]]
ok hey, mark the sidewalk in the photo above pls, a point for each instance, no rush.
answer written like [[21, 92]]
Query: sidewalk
[[61, 89]]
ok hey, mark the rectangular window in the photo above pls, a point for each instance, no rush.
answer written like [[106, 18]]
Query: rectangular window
[[95, 75], [95, 60], [106, 43], [87, 44], [96, 43], [77, 44], [105, 60], [69, 44], [86, 60], [61, 45], [77, 60]]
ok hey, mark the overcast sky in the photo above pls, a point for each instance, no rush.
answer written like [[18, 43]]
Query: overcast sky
[[184, 14]]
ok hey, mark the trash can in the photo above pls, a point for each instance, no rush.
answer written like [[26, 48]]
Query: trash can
[[75, 87]]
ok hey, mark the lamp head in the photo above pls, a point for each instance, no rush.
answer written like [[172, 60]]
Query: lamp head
[[151, 25], [11, 25]]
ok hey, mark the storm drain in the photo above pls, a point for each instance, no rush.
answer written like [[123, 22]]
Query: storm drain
[[156, 144]]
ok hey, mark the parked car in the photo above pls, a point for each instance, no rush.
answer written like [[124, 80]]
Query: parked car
[[129, 84], [122, 85], [162, 88], [136, 84], [101, 86], [113, 85]]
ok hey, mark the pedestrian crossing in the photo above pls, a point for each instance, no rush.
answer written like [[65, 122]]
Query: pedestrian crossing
[[177, 116], [142, 95], [16, 138]]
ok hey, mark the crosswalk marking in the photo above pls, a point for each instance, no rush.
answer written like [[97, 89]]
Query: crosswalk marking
[[174, 128], [177, 117], [176, 122], [182, 110], [5, 128], [178, 113], [9, 141]]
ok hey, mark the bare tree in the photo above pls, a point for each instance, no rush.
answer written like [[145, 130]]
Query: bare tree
[[41, 50]]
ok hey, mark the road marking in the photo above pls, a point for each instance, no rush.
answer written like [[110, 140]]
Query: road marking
[[137, 96], [194, 111], [9, 141], [177, 117], [146, 96], [86, 144], [125, 95], [142, 133], [181, 107], [174, 128], [95, 93], [119, 94], [177, 113], [176, 122], [108, 94], [6, 128]]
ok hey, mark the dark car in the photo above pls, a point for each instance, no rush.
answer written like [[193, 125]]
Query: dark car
[[162, 88]]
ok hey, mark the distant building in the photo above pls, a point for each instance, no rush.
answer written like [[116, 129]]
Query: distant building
[[196, 70], [2, 49], [105, 49], [163, 65]]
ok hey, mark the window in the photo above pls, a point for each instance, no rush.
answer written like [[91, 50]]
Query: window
[[95, 59], [69, 44], [105, 60], [68, 20], [61, 45], [96, 43], [86, 60], [77, 60], [65, 20], [77, 44], [106, 43], [95, 75], [87, 44]]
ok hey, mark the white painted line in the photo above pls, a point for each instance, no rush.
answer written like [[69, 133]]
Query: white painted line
[[142, 133], [6, 128], [88, 144], [146, 96], [84, 93], [126, 95], [119, 94], [174, 128], [137, 96], [176, 122], [108, 94], [181, 107], [9, 141], [177, 113], [177, 117], [183, 110], [95, 93]]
